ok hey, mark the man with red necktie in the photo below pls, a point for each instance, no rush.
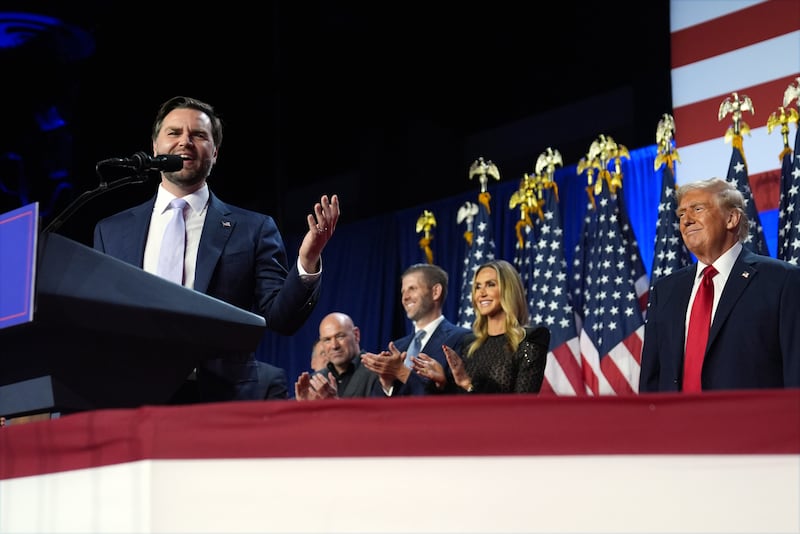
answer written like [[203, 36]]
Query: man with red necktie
[[751, 339]]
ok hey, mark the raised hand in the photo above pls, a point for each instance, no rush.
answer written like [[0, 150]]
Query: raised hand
[[321, 225]]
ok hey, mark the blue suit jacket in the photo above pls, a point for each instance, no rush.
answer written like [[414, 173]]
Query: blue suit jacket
[[754, 341], [445, 334], [241, 260]]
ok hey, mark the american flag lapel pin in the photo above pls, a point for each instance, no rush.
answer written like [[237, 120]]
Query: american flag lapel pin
[[226, 224]]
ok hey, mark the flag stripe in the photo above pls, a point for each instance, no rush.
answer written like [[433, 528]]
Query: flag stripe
[[734, 30], [766, 97], [590, 366], [546, 388], [304, 429], [765, 194], [711, 158], [745, 67], [564, 370], [634, 343], [686, 13], [617, 382]]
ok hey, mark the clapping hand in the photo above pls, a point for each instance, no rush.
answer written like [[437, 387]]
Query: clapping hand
[[315, 387], [456, 364], [388, 365], [429, 368]]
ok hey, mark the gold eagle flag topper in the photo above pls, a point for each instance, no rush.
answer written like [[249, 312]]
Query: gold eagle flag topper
[[736, 106], [483, 170], [785, 116], [466, 213], [425, 223], [529, 196], [602, 151], [665, 135]]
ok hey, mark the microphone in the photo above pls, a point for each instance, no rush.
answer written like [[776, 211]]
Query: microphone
[[142, 161]]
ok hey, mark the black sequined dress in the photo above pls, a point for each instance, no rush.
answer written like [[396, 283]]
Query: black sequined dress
[[493, 368]]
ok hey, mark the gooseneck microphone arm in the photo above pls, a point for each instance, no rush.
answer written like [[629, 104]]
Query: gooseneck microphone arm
[[141, 163], [84, 197]]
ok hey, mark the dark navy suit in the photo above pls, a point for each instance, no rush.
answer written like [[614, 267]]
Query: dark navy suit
[[754, 341], [445, 334], [241, 260]]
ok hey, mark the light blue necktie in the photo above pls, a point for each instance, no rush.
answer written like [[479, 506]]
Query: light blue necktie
[[415, 347], [173, 244]]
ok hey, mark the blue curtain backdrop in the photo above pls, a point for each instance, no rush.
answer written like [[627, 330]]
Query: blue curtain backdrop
[[363, 262]]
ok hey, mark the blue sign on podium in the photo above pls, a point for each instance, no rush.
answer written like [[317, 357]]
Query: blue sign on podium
[[19, 230]]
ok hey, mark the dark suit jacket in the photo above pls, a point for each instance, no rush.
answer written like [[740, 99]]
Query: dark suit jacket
[[273, 382], [754, 341], [241, 260], [360, 381], [445, 334]]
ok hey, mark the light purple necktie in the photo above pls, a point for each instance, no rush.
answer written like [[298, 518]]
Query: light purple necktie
[[173, 244]]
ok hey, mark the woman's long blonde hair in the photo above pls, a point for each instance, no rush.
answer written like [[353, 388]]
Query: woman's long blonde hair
[[512, 300]]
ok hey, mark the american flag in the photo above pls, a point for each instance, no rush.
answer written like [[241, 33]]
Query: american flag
[[670, 252], [737, 175], [789, 206], [722, 46], [540, 261], [610, 280], [480, 250]]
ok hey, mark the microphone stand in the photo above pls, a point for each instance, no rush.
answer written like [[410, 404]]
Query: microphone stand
[[104, 186]]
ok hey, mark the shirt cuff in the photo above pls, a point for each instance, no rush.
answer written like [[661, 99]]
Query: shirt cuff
[[309, 277]]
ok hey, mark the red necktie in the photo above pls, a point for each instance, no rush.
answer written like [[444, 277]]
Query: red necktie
[[697, 336]]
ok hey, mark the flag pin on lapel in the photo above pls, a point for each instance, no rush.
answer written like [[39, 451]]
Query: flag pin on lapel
[[226, 224]]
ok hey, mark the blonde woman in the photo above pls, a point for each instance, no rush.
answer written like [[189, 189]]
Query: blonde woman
[[503, 354]]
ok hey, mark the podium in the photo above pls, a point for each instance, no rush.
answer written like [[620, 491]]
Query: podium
[[106, 334]]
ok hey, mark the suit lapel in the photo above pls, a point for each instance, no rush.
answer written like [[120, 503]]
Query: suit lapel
[[680, 300], [217, 229], [133, 234], [439, 335], [404, 342], [741, 275], [676, 302]]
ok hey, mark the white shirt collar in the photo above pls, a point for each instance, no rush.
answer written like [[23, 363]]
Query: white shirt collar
[[196, 200], [430, 327], [723, 264]]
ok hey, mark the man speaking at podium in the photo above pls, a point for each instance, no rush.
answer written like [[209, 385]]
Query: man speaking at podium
[[227, 252]]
